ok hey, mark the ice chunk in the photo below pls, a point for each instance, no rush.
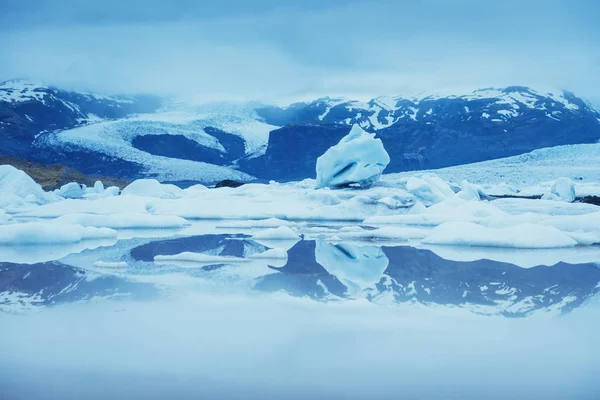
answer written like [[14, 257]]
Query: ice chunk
[[429, 188], [72, 190], [125, 221], [356, 267], [357, 160], [564, 189], [152, 188], [112, 191], [50, 233], [99, 187], [281, 233], [526, 236], [17, 187]]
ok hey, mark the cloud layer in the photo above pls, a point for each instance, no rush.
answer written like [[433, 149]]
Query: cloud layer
[[265, 51]]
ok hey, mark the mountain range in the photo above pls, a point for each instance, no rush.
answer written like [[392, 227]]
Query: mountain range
[[130, 137]]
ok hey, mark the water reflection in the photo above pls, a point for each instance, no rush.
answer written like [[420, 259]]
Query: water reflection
[[27, 286], [320, 270]]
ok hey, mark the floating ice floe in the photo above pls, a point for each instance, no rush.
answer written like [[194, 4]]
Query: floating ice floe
[[357, 160], [31, 233], [125, 221]]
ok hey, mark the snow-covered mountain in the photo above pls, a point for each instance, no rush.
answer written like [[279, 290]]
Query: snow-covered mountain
[[132, 137], [431, 131]]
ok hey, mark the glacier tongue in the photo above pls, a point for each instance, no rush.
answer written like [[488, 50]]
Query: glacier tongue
[[357, 160]]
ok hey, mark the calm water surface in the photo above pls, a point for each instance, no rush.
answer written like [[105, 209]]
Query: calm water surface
[[334, 320]]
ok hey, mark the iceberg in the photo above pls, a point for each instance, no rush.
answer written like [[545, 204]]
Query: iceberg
[[357, 160]]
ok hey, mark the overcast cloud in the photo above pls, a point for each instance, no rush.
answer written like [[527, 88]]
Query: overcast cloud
[[278, 50]]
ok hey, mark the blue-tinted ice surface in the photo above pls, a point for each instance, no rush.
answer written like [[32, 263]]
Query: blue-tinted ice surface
[[334, 320]]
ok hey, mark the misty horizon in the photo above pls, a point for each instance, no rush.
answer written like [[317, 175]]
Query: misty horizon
[[301, 50]]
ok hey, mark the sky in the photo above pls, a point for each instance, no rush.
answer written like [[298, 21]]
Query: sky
[[299, 49]]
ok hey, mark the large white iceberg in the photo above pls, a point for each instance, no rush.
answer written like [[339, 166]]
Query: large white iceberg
[[358, 159]]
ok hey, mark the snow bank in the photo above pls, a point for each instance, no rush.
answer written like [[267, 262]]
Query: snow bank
[[152, 188], [527, 236], [32, 233], [429, 188], [125, 221], [16, 187], [358, 159], [281, 233]]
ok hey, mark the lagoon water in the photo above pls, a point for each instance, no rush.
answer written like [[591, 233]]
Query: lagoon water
[[333, 320]]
